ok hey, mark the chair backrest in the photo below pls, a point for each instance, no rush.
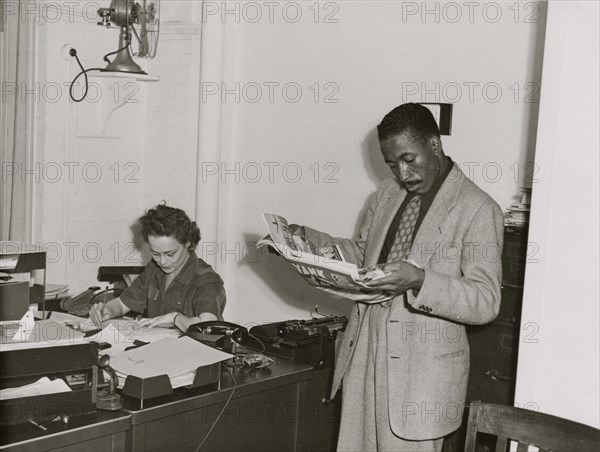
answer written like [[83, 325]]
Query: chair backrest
[[527, 427]]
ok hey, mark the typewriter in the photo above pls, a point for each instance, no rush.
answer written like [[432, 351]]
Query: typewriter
[[311, 341]]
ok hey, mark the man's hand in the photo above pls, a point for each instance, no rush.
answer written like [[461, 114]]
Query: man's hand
[[165, 321], [99, 312], [400, 277]]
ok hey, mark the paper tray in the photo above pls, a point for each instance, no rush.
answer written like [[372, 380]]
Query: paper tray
[[19, 367], [148, 388]]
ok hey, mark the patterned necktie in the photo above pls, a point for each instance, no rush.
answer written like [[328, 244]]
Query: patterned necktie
[[403, 240]]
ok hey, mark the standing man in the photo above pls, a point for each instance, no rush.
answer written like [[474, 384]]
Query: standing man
[[405, 363]]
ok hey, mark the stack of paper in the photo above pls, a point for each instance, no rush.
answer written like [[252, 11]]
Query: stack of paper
[[8, 261], [43, 333], [43, 386], [518, 212], [178, 358]]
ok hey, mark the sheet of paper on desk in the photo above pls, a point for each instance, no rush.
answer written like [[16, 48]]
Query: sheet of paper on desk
[[173, 357], [79, 323], [44, 333], [43, 386], [131, 331], [120, 341]]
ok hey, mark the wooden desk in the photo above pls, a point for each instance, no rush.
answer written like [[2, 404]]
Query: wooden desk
[[266, 412]]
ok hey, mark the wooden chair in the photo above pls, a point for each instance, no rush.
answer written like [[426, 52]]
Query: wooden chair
[[527, 427]]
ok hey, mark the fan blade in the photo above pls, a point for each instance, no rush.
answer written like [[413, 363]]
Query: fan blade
[[140, 15], [149, 29]]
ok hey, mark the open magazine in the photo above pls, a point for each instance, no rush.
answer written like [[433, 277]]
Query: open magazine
[[324, 268]]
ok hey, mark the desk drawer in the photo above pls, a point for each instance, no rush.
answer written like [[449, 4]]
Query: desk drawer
[[514, 255], [510, 305], [493, 362]]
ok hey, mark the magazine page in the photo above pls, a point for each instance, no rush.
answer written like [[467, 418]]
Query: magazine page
[[324, 268], [280, 233], [356, 295]]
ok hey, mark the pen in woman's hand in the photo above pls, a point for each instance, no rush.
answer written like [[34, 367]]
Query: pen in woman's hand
[[98, 312]]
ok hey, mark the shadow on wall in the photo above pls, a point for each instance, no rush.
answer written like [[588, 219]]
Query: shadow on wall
[[375, 169], [283, 279], [289, 286], [138, 241]]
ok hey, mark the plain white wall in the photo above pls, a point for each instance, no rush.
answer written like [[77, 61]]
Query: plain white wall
[[559, 357], [88, 164], [101, 162], [322, 150]]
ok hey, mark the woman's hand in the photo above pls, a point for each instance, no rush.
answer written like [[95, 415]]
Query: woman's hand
[[165, 321], [99, 312]]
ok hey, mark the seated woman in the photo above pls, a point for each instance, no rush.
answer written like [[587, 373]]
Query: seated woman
[[177, 288]]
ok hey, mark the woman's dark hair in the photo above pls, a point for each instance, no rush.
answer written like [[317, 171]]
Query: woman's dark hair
[[412, 118], [169, 221]]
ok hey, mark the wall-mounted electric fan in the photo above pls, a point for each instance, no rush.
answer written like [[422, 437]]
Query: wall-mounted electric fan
[[139, 19]]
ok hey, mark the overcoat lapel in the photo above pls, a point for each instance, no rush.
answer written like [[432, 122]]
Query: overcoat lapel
[[382, 224], [438, 222]]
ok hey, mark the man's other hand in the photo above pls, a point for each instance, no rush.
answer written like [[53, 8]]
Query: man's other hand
[[399, 277]]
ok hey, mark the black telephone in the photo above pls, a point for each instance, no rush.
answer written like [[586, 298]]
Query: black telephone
[[80, 304], [219, 334]]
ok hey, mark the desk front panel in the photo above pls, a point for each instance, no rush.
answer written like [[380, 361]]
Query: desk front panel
[[266, 413], [264, 421]]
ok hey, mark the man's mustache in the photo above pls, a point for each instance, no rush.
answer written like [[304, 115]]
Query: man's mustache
[[409, 183]]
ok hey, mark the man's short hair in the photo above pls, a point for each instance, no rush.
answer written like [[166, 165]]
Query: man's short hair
[[412, 118]]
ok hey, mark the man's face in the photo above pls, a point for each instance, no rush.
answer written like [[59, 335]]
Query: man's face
[[412, 161]]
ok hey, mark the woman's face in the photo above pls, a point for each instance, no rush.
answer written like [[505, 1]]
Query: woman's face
[[167, 252]]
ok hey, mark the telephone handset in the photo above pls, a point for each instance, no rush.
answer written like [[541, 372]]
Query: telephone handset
[[219, 333]]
